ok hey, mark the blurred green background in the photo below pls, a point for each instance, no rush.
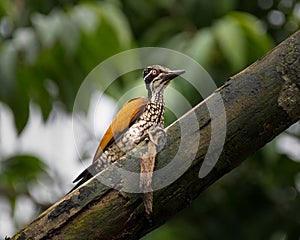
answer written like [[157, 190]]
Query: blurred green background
[[47, 48]]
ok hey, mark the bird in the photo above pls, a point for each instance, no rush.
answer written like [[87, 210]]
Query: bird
[[132, 124]]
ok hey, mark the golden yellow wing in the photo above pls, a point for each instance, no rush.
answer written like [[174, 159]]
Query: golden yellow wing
[[122, 121], [128, 114]]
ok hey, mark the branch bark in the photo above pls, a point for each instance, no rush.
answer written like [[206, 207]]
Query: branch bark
[[260, 102]]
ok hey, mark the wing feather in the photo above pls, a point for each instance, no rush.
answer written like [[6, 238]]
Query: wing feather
[[122, 121], [129, 113]]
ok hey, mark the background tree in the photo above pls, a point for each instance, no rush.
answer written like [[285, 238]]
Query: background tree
[[47, 49]]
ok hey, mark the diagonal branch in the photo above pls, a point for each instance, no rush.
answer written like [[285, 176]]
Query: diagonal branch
[[260, 102]]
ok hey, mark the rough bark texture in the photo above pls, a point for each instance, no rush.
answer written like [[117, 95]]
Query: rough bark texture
[[260, 102]]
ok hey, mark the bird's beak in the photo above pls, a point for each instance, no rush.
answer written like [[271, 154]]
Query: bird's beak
[[173, 74]]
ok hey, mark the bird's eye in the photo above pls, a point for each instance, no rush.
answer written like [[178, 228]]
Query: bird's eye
[[154, 72]]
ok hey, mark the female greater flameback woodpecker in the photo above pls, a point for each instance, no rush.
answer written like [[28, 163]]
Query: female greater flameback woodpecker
[[132, 123]]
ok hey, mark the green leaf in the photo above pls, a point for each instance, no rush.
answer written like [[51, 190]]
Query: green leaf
[[201, 47], [118, 22], [62, 47], [161, 30], [21, 170], [259, 42], [8, 58], [231, 41], [85, 17], [7, 8], [20, 108]]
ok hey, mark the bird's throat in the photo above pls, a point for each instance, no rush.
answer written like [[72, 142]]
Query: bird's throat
[[156, 97], [155, 108]]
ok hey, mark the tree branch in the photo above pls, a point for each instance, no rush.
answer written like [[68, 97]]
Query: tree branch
[[260, 102]]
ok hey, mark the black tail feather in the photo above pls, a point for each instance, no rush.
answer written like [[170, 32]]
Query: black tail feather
[[87, 174], [83, 177]]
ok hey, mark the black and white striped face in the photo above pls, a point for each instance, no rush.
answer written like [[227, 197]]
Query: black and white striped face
[[157, 77]]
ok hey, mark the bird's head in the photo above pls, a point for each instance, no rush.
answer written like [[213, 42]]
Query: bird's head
[[157, 78]]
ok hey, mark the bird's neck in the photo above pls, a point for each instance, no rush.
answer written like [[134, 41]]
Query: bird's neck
[[156, 97], [155, 108]]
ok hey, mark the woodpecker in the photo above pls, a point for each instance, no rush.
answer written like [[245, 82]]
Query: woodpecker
[[133, 122]]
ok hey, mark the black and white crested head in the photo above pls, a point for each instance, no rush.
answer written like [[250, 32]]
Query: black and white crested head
[[157, 77]]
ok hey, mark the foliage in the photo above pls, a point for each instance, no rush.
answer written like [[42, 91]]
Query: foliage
[[47, 61], [48, 47]]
